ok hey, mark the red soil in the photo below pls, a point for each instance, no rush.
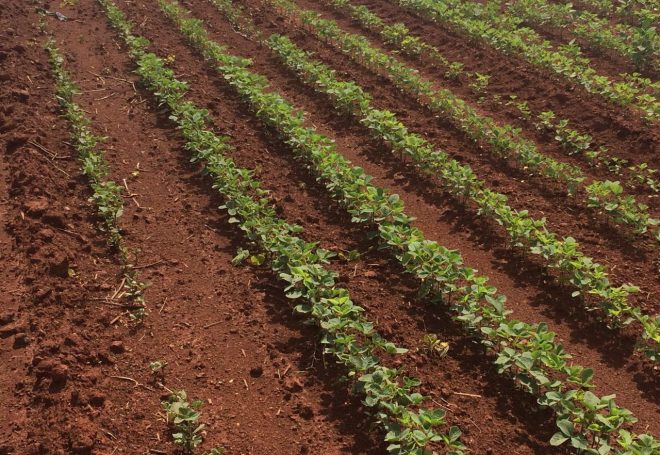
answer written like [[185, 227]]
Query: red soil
[[227, 332]]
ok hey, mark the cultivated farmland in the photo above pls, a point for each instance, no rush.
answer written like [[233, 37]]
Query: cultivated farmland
[[329, 227]]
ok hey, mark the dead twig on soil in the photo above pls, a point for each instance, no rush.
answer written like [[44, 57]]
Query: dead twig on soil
[[105, 97], [98, 76], [121, 286], [125, 306], [132, 84], [160, 310], [131, 194], [71, 233], [112, 436], [53, 156], [467, 394], [126, 378], [135, 383], [441, 405], [213, 324], [153, 264], [52, 164]]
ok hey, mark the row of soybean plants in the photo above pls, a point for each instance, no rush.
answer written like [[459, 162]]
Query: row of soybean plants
[[639, 175], [502, 33], [106, 193], [525, 232], [630, 11], [527, 352], [460, 181], [641, 44], [570, 139], [301, 265], [644, 49], [503, 140]]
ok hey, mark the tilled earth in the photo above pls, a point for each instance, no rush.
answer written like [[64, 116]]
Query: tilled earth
[[75, 376]]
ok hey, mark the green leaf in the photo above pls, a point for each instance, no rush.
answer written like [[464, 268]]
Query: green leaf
[[566, 426], [579, 442], [591, 400], [558, 439]]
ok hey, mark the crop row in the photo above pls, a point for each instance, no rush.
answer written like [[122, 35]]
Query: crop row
[[579, 143], [461, 182], [524, 231], [504, 141], [527, 352], [570, 139], [565, 61], [347, 334], [106, 194], [631, 11], [641, 44]]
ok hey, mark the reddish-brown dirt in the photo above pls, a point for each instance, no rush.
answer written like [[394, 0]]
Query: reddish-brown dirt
[[608, 63], [564, 216], [14, 357], [512, 75], [347, 137], [283, 176], [508, 75], [54, 262], [78, 379]]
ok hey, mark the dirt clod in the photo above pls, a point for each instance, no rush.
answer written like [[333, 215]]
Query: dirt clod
[[59, 265], [57, 372], [6, 318], [21, 340], [9, 330], [36, 206], [117, 347], [256, 372]]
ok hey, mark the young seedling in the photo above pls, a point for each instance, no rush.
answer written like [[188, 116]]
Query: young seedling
[[480, 84], [183, 418], [157, 366], [350, 256], [454, 71], [432, 345]]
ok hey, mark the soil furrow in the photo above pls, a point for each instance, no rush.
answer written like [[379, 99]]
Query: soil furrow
[[295, 199], [544, 91], [435, 227], [226, 332], [626, 262], [608, 64], [59, 269], [500, 110], [14, 341]]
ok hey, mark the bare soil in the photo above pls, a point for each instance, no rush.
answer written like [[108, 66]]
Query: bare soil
[[75, 376]]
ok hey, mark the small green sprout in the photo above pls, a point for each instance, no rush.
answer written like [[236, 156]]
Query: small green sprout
[[433, 345], [157, 366], [183, 418], [350, 256]]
